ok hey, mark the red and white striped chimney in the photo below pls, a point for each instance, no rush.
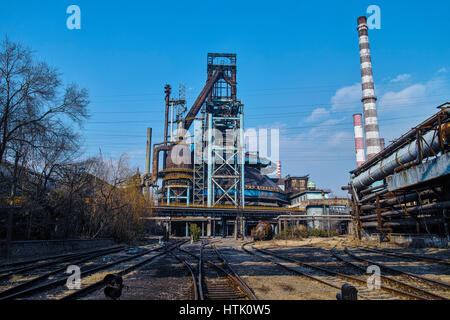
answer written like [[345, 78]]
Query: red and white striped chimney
[[368, 92], [279, 169], [359, 142]]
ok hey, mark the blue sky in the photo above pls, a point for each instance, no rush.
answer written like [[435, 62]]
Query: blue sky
[[298, 68]]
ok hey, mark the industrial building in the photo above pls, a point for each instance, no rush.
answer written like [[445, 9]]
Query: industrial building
[[202, 174], [405, 188]]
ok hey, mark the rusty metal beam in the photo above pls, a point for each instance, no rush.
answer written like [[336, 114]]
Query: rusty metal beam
[[201, 99]]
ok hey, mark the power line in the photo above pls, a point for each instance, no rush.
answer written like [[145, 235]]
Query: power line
[[272, 89]]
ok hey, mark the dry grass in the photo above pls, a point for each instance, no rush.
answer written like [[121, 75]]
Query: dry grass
[[287, 287]]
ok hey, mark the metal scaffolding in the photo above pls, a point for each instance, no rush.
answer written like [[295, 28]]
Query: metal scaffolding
[[225, 161], [199, 163]]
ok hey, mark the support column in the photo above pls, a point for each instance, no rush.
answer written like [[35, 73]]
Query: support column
[[187, 229], [444, 215], [210, 196], [242, 157], [208, 228], [168, 195], [203, 229], [224, 227]]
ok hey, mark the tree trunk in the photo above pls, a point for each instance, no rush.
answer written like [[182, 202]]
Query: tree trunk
[[12, 196]]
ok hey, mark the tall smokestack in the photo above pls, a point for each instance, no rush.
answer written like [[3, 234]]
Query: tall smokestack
[[359, 142], [279, 169], [368, 96]]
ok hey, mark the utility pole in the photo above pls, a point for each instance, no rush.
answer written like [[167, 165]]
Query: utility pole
[[147, 175]]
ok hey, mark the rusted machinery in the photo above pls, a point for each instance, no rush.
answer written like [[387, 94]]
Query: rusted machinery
[[262, 231], [405, 188]]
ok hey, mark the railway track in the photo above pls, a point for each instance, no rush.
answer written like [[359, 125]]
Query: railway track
[[336, 279], [20, 264], [45, 283], [213, 278], [409, 256], [45, 264], [420, 285], [98, 284], [192, 272]]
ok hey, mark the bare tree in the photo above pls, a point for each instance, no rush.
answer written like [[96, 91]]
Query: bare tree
[[31, 95], [61, 195]]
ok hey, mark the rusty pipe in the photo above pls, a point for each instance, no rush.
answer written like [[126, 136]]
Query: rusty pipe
[[426, 208], [373, 196], [155, 164], [399, 200], [403, 222]]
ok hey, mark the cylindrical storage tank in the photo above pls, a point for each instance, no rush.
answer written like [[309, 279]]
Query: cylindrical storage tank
[[177, 175]]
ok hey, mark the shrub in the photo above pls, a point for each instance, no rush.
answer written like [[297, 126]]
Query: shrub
[[300, 232], [195, 231]]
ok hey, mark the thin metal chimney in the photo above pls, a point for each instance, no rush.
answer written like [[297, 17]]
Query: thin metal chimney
[[359, 142], [167, 90], [368, 92], [148, 153]]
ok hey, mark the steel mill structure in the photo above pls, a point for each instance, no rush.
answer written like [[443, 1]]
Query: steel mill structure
[[201, 173]]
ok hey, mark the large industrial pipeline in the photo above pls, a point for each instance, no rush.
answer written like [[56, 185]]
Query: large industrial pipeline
[[402, 151], [430, 144], [399, 200]]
